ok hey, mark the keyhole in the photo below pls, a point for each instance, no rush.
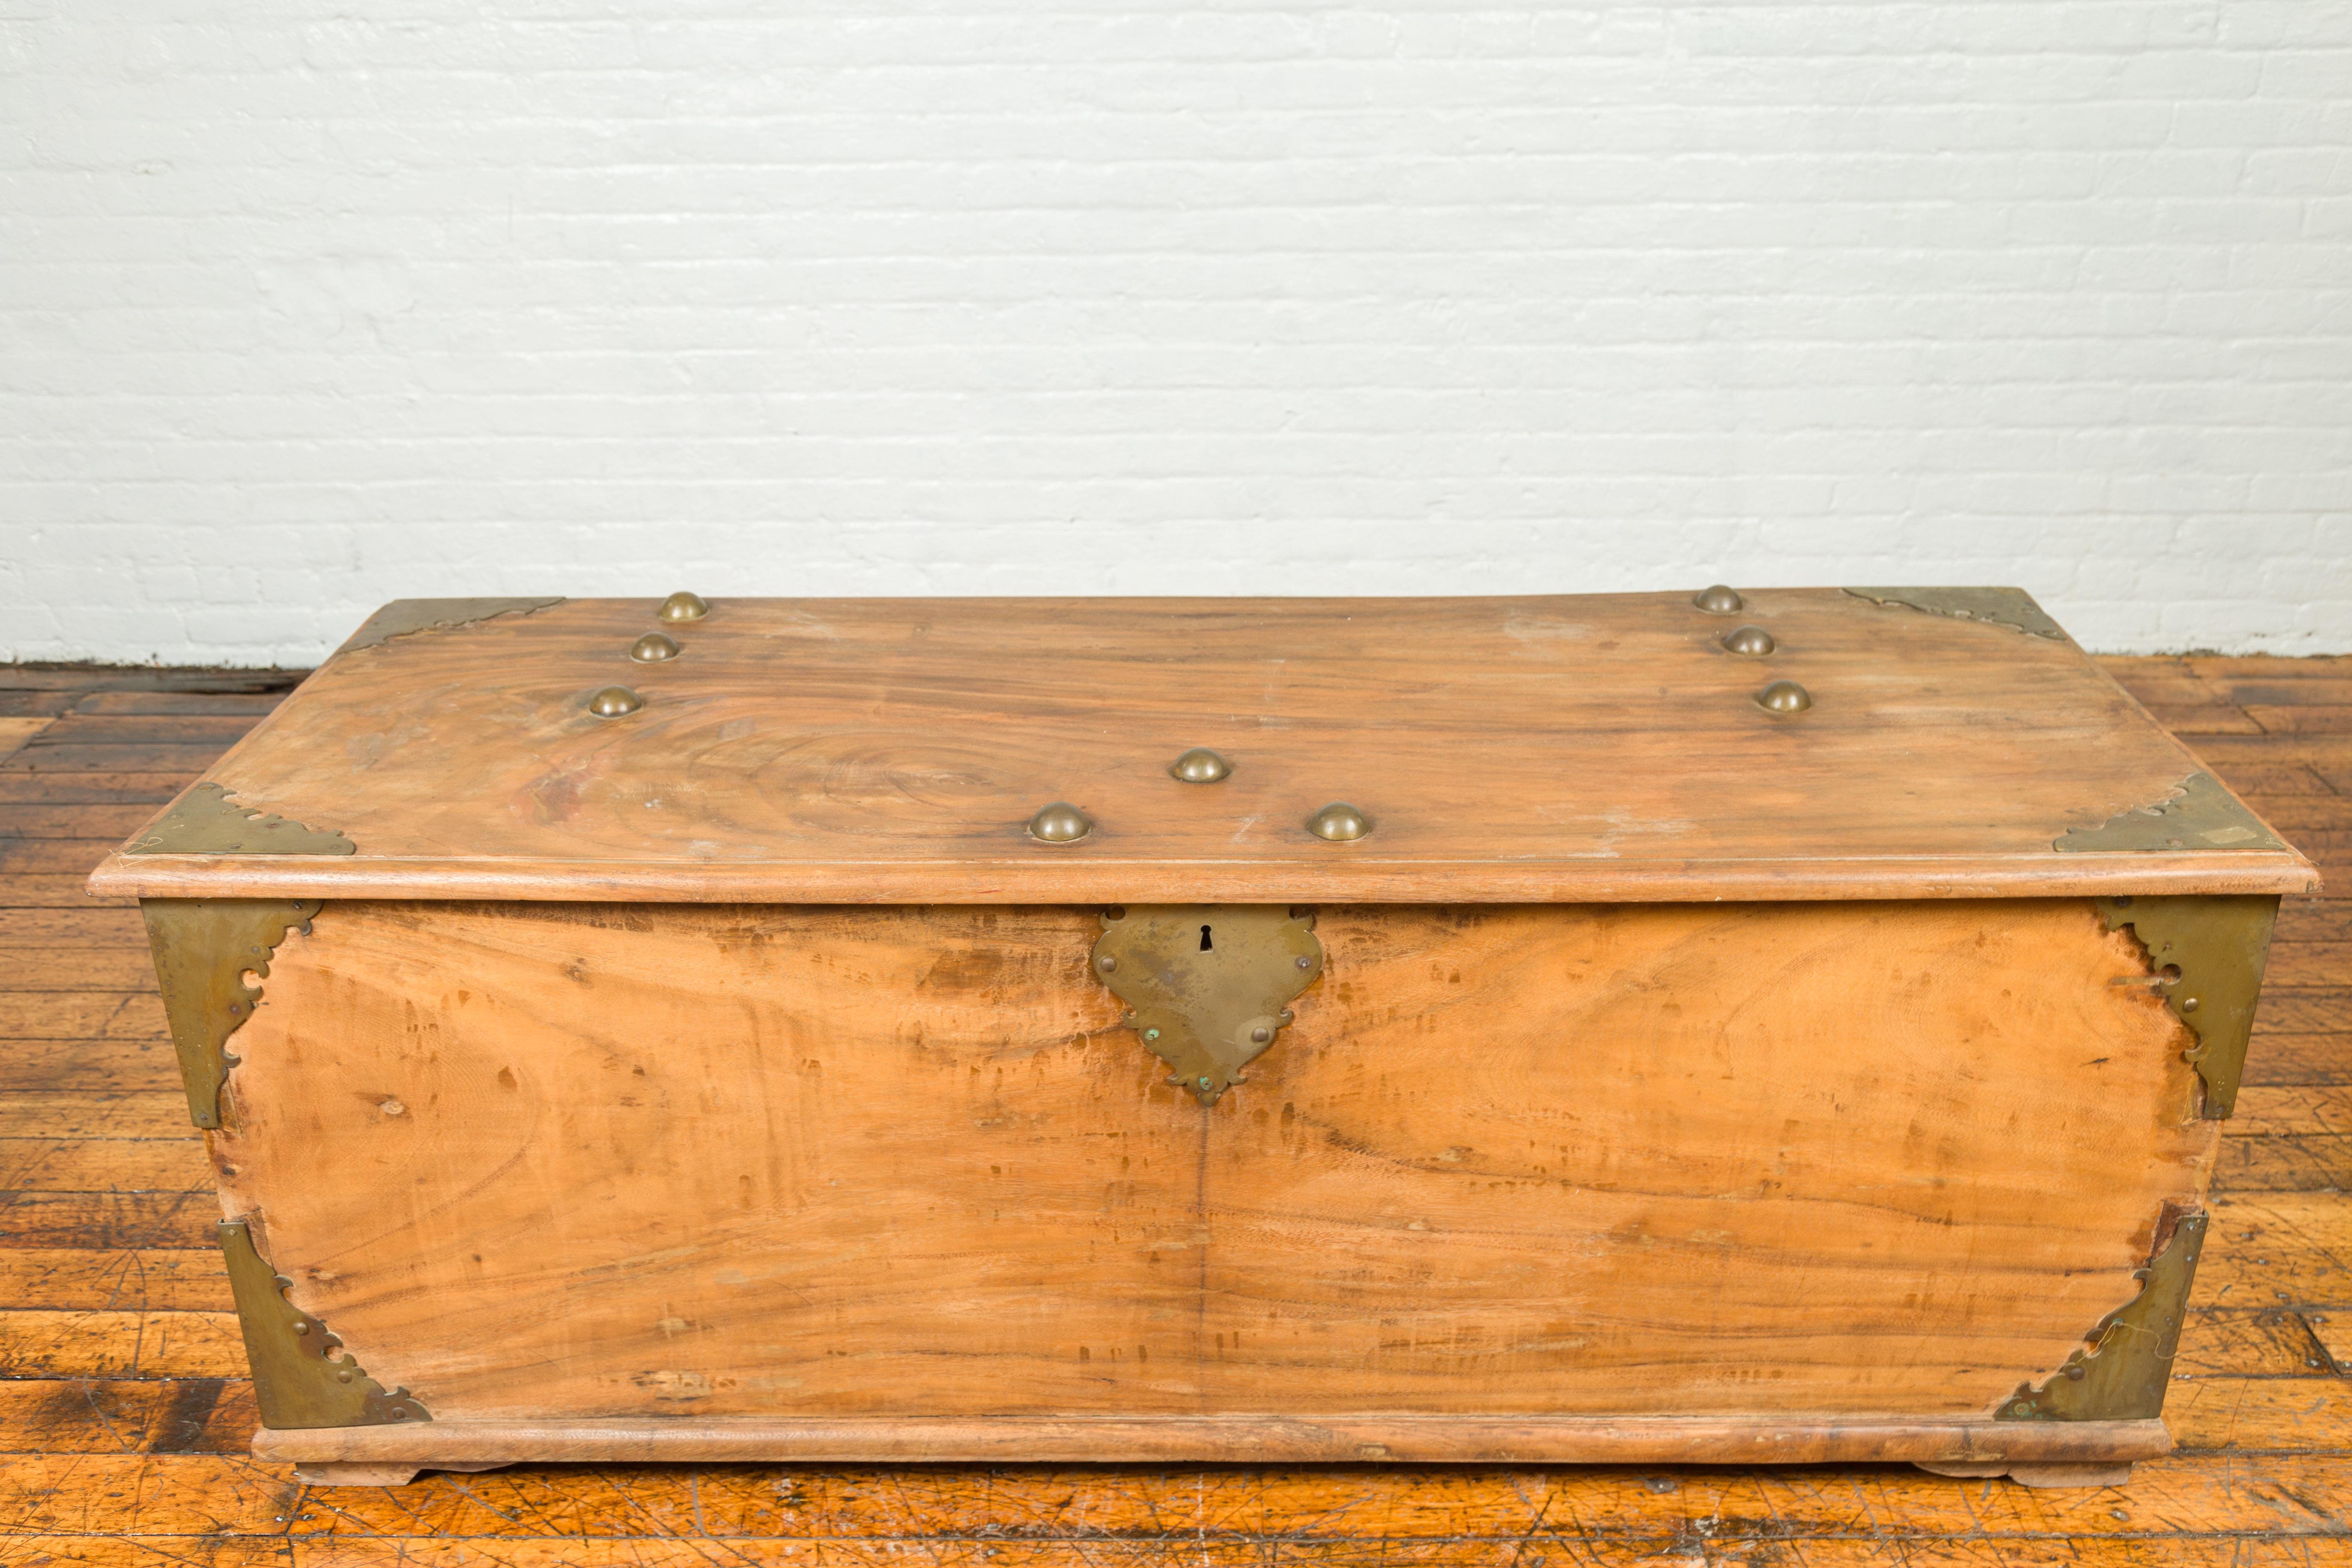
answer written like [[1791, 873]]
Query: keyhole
[[1205, 945]]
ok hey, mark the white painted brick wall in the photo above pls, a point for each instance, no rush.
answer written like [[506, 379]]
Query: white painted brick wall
[[305, 306]]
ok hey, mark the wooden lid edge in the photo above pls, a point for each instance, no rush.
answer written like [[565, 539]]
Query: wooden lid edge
[[1096, 880]]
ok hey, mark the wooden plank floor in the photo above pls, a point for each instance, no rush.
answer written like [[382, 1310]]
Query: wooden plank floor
[[124, 1415]]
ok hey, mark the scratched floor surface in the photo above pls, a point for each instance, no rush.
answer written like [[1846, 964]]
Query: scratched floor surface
[[124, 1414]]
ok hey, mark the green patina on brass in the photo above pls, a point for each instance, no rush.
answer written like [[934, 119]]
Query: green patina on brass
[[1206, 985], [205, 821], [301, 1376], [2010, 607], [2208, 952], [2123, 1373], [401, 616], [2200, 815], [204, 948]]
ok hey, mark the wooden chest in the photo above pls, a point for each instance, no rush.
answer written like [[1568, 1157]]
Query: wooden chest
[[1780, 1027]]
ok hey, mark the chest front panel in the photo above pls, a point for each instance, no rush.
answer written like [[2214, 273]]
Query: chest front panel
[[592, 1161]]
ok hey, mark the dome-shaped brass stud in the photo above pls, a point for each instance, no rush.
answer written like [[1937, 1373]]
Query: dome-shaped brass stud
[[1060, 822], [1720, 600], [1753, 641], [653, 648], [614, 702], [1199, 765], [684, 606], [1784, 697], [1339, 822]]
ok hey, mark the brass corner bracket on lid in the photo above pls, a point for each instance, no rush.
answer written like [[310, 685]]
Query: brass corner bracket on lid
[[402, 616], [2209, 952], [301, 1376], [204, 948], [2010, 607], [2123, 1373], [2196, 813], [1207, 986], [205, 821]]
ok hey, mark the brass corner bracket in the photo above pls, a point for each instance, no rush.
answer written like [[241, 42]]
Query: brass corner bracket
[[204, 948], [205, 821], [2123, 1373], [2010, 607], [2208, 952], [1207, 984], [402, 616], [301, 1376], [2196, 813]]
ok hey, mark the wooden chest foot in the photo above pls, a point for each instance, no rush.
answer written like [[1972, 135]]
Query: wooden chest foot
[[369, 1473], [2040, 1475], [355, 1475]]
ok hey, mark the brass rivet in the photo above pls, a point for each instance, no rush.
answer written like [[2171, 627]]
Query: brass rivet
[[1753, 641], [614, 702], [1339, 822], [1306, 964], [683, 607], [1261, 1035], [1107, 963], [653, 648], [1207, 1082], [300, 1327], [2073, 1370], [1150, 1034], [1060, 822], [1784, 697], [2189, 1004], [1721, 601], [1199, 765], [343, 1377]]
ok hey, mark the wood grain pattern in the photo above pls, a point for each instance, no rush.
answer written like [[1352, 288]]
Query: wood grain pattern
[[1535, 1160], [1586, 749], [153, 1471]]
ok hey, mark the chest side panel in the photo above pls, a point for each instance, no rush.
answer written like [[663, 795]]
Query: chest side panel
[[578, 1160]]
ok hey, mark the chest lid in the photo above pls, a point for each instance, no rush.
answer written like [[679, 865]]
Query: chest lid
[[1778, 743]]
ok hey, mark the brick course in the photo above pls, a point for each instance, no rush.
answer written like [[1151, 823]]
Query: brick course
[[304, 307]]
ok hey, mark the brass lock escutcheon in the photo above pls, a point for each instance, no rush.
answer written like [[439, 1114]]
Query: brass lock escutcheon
[[1207, 986]]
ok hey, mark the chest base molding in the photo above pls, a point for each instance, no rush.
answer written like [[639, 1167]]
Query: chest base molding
[[1218, 1439]]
